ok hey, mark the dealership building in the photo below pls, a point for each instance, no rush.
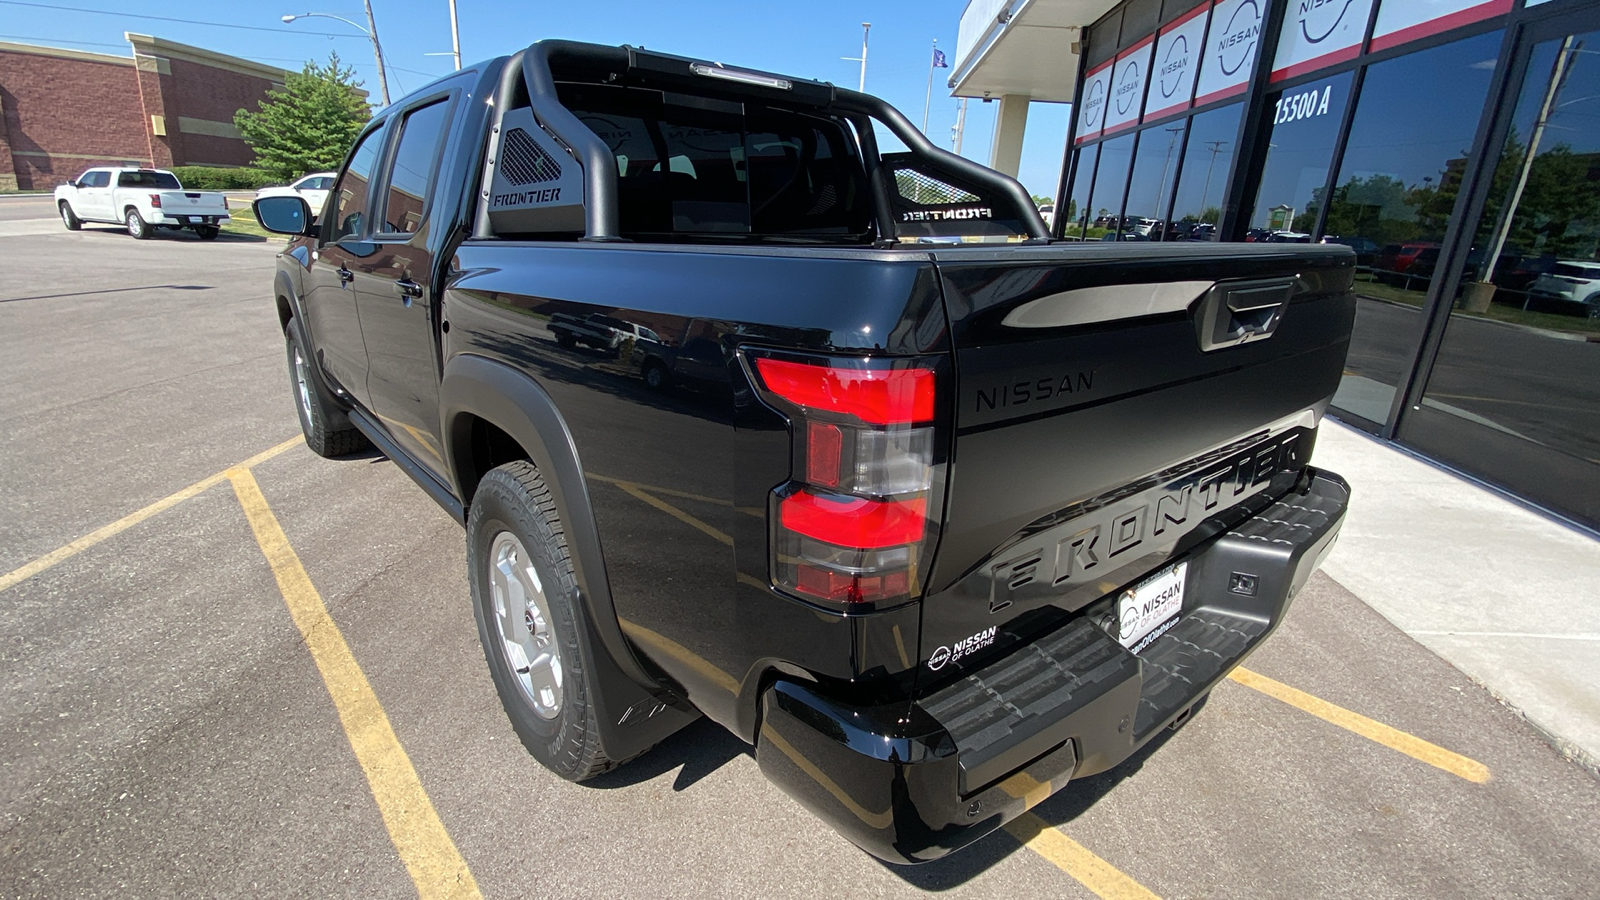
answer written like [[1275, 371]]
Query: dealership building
[[1454, 145], [163, 104]]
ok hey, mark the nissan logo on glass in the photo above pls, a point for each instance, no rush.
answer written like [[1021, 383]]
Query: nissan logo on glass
[[1239, 38]]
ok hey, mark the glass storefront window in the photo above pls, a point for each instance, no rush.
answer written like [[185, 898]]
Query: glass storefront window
[[1155, 168], [1305, 127], [1203, 181], [1116, 155], [1515, 390], [1393, 198], [1076, 215]]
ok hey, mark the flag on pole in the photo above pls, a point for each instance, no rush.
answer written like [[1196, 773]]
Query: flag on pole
[[938, 59]]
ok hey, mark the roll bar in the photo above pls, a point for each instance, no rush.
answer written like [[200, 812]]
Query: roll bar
[[537, 69]]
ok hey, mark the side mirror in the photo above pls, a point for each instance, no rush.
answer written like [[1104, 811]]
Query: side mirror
[[284, 215]]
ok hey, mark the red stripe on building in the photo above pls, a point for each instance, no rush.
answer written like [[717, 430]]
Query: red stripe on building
[[1225, 92], [1442, 24], [1311, 65], [1168, 110]]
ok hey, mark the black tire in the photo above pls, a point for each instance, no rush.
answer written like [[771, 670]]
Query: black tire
[[207, 232], [327, 429], [70, 218], [136, 225], [514, 501], [567, 341], [655, 376]]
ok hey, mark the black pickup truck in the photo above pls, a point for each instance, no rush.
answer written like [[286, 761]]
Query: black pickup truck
[[943, 525]]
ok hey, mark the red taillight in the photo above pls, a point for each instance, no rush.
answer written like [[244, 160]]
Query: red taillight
[[875, 396], [155, 200], [852, 525], [854, 521]]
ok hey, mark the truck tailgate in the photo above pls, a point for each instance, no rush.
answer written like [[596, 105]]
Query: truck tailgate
[[1117, 406], [193, 203]]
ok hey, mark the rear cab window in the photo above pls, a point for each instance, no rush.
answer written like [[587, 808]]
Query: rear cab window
[[161, 181], [691, 166]]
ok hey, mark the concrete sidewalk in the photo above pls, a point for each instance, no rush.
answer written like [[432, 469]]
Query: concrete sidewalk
[[1504, 594]]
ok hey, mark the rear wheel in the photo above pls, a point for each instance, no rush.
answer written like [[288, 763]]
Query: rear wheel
[[655, 376], [136, 225], [524, 595], [327, 429], [70, 218], [207, 232], [566, 340]]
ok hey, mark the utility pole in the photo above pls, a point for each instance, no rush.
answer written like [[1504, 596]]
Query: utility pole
[[865, 27], [1508, 212], [455, 35], [377, 50]]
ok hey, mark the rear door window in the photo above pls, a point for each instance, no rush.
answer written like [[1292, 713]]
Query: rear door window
[[415, 161]]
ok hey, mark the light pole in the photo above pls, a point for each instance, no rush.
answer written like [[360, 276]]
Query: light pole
[[865, 28], [371, 32]]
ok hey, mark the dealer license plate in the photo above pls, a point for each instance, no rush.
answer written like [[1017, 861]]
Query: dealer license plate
[[1149, 608]]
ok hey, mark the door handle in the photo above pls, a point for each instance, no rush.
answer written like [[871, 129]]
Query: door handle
[[408, 288], [345, 275]]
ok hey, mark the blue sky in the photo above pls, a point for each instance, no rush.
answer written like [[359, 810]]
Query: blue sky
[[804, 39]]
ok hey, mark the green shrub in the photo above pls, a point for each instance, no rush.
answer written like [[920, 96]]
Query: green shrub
[[210, 178]]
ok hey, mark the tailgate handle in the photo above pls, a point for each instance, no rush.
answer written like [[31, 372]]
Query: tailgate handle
[[1234, 313]]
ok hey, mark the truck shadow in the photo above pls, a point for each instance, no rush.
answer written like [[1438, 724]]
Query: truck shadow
[[697, 750], [1062, 807]]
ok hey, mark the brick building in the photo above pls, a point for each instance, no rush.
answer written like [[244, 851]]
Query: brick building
[[166, 104]]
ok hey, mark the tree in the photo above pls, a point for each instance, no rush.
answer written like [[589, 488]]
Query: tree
[[309, 125]]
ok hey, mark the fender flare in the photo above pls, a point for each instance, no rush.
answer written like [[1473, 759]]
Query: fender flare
[[514, 402], [287, 298]]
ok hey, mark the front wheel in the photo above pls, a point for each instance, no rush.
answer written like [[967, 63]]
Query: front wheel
[[327, 429], [70, 218], [137, 226], [524, 595]]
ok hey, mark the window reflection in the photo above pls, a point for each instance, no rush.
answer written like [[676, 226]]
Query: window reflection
[[1515, 390], [1203, 181], [1109, 183], [1154, 170], [1305, 127], [1392, 202], [1077, 211]]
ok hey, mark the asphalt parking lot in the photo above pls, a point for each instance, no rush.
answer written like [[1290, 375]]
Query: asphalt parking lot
[[232, 668]]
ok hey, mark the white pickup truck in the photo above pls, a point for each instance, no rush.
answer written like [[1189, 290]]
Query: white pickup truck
[[141, 199]]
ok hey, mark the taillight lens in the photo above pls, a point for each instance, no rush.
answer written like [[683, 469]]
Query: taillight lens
[[155, 200], [853, 524]]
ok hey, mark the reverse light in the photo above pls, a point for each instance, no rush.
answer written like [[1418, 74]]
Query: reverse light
[[853, 524]]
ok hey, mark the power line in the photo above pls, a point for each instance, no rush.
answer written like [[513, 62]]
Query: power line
[[108, 12]]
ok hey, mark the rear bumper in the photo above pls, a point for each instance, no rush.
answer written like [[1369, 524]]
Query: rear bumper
[[188, 219], [912, 782]]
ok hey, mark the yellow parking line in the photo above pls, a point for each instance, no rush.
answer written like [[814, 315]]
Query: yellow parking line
[[62, 554], [673, 511], [424, 846], [1105, 880], [1393, 738]]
